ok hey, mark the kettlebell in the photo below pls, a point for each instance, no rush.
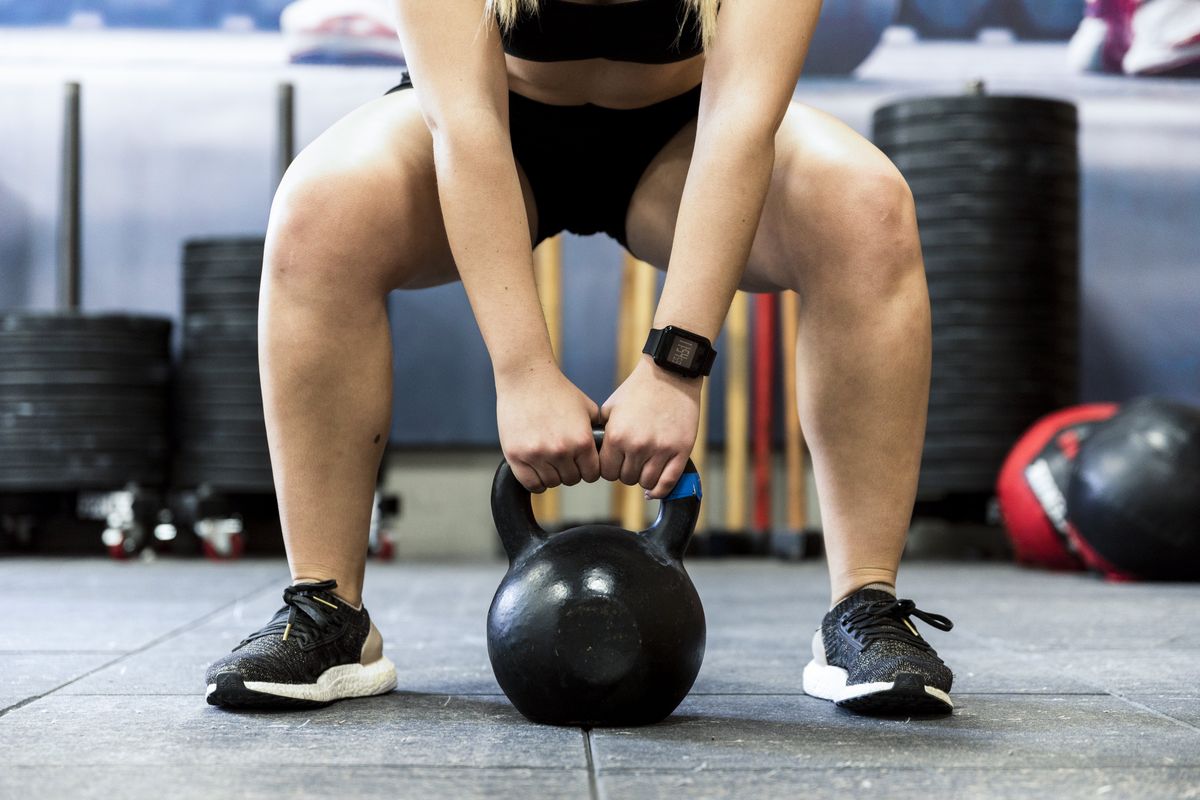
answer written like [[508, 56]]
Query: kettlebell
[[595, 625]]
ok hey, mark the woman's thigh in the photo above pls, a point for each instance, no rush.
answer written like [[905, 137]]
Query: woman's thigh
[[826, 184], [363, 197]]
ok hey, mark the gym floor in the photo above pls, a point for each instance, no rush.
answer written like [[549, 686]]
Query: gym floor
[[1066, 686]]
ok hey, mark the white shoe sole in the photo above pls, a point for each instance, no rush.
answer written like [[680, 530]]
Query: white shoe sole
[[336, 683], [830, 683]]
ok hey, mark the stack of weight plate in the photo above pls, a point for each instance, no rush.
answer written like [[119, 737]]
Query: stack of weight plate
[[83, 401], [996, 181], [221, 435]]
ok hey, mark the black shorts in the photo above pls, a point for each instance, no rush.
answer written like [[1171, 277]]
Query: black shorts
[[583, 162]]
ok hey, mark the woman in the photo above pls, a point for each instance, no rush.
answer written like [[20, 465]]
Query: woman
[[675, 135]]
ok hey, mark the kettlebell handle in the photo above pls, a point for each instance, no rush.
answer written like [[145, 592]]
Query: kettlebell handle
[[512, 511]]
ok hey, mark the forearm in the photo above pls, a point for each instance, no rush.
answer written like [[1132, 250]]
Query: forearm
[[488, 231], [718, 216]]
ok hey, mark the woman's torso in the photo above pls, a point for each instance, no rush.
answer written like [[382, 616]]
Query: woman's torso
[[602, 81]]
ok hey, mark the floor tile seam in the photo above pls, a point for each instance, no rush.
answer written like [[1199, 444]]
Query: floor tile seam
[[589, 755], [62, 652], [1161, 714], [603, 771], [147, 646], [100, 766]]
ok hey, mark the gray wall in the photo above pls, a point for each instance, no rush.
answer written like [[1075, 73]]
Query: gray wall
[[174, 152]]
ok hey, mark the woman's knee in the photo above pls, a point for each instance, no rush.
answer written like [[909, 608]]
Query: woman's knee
[[864, 247], [324, 234]]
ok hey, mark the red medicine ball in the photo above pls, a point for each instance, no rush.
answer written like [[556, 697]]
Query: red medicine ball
[[1033, 483]]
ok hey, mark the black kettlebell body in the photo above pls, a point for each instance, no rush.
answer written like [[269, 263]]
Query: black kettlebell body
[[595, 625]]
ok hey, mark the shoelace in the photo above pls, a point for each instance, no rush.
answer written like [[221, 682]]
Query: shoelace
[[302, 615], [889, 619]]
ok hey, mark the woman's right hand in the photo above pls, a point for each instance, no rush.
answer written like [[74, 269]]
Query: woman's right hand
[[545, 424]]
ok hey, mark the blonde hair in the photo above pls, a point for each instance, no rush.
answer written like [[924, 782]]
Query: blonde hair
[[506, 12]]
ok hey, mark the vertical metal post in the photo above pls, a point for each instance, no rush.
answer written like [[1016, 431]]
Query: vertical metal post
[[285, 129], [69, 227]]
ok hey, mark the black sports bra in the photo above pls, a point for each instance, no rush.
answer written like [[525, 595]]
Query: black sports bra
[[641, 31]]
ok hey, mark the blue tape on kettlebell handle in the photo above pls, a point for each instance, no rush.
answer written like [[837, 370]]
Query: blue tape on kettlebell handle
[[688, 485]]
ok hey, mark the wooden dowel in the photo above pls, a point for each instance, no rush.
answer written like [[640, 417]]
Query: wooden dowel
[[644, 280], [547, 272], [737, 411], [797, 497]]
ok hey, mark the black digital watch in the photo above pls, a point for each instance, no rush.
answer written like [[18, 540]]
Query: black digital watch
[[680, 351]]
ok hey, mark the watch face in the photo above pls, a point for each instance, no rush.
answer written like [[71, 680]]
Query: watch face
[[683, 352]]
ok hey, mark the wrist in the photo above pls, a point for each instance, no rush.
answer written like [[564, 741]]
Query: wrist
[[521, 367], [647, 367]]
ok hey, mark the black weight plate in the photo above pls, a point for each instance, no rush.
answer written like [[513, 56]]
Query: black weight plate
[[129, 425], [966, 415], [132, 396], [241, 386], [58, 361], [227, 479], [975, 105], [199, 428], [199, 439], [133, 377], [972, 126], [1005, 353], [148, 347], [207, 248], [84, 477], [204, 284], [1056, 162], [210, 285], [954, 239], [972, 287], [992, 391], [1008, 347], [989, 202], [214, 356], [205, 278], [1008, 258], [94, 458], [227, 258], [987, 157], [986, 312], [999, 185], [246, 305], [894, 138], [54, 408], [225, 446], [235, 351], [113, 325], [192, 408], [195, 400], [999, 396], [221, 324], [1022, 222]]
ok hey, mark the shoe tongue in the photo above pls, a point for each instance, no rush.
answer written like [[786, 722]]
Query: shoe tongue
[[861, 598]]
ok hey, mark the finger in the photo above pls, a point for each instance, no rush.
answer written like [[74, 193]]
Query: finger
[[548, 474], [651, 470], [568, 470], [605, 412], [587, 459], [669, 477], [594, 412], [611, 459], [527, 475], [631, 467]]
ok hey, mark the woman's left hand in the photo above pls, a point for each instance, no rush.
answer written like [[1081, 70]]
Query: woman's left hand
[[650, 424]]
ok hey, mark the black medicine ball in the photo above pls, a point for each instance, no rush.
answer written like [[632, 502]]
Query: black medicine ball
[[1134, 497]]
